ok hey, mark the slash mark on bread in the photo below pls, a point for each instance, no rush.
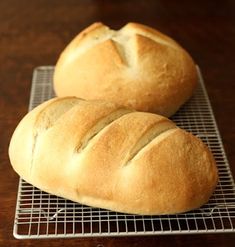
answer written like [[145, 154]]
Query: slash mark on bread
[[154, 133], [48, 116], [99, 126]]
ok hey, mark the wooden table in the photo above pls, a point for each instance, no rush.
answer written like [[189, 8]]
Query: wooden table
[[33, 33]]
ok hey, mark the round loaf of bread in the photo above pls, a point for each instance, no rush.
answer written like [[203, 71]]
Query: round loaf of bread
[[103, 155], [136, 66]]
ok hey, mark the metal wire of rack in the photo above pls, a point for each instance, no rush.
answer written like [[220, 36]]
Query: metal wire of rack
[[41, 215]]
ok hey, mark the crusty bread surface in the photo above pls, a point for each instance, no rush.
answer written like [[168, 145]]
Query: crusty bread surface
[[136, 66], [104, 155]]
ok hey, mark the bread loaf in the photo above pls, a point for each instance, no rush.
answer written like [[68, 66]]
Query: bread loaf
[[103, 155], [136, 66]]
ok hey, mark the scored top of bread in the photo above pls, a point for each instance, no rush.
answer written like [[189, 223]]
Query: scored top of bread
[[104, 155], [136, 66]]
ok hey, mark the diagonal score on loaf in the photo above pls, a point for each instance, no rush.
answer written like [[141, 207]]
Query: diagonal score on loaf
[[152, 134], [121, 51], [154, 141], [132, 29], [99, 126], [48, 116], [126, 47], [101, 33]]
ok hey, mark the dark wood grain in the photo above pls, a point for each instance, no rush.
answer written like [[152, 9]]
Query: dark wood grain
[[33, 33]]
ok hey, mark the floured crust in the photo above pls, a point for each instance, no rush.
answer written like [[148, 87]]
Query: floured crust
[[107, 156], [136, 66]]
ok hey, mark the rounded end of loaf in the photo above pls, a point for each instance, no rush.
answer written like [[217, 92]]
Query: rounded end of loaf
[[136, 66], [104, 155], [184, 178]]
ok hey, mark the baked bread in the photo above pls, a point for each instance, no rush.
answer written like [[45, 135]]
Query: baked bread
[[136, 66], [103, 155]]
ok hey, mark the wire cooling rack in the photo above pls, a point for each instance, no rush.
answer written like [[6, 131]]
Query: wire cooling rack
[[41, 215]]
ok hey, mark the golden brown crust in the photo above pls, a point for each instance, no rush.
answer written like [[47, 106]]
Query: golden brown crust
[[136, 66], [104, 155]]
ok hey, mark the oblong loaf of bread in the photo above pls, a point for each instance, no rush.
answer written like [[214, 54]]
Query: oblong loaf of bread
[[103, 155], [136, 66]]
